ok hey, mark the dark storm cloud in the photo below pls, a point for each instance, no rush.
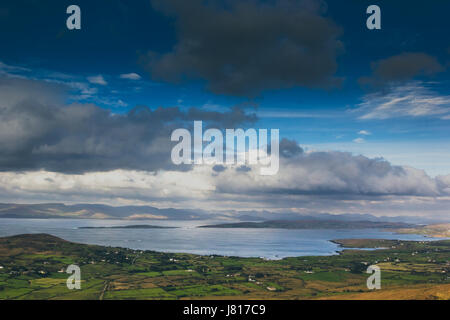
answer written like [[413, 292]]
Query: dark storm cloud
[[219, 168], [402, 67], [38, 131], [289, 148], [244, 47]]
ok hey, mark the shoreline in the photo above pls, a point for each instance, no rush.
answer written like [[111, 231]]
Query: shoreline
[[342, 244]]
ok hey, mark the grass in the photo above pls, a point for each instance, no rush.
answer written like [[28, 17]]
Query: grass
[[152, 293]]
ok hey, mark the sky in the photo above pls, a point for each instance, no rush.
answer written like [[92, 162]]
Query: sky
[[86, 115]]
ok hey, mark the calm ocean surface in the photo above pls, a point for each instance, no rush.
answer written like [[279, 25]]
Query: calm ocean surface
[[268, 243]]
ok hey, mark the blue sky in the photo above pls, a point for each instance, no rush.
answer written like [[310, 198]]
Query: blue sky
[[115, 34], [380, 93]]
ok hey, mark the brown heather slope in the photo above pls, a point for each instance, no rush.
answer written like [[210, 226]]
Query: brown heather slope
[[417, 292]]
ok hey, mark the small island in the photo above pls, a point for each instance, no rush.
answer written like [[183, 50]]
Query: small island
[[134, 226]]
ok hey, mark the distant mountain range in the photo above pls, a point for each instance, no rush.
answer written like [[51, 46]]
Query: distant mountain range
[[94, 211], [101, 211]]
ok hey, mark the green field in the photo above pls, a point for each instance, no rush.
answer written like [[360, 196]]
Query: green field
[[33, 267]]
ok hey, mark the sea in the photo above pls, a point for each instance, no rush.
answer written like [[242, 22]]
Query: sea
[[188, 238]]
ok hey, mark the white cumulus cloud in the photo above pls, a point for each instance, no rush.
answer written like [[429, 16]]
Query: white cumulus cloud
[[97, 80], [130, 76]]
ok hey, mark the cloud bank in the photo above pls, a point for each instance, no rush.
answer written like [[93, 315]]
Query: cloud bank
[[54, 151], [39, 131]]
